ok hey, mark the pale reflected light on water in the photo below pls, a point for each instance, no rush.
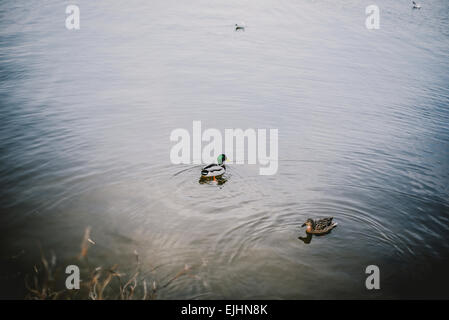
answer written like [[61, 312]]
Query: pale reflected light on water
[[363, 126]]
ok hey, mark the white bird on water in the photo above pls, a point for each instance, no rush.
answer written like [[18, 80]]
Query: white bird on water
[[415, 5]]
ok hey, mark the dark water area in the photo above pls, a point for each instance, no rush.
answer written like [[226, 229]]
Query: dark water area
[[363, 122]]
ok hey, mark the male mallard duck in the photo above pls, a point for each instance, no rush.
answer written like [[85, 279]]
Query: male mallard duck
[[415, 5], [320, 226], [239, 27], [214, 170]]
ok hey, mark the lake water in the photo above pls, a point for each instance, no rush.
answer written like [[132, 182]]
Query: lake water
[[363, 122]]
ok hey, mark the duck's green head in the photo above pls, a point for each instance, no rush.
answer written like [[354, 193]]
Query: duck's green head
[[221, 158]]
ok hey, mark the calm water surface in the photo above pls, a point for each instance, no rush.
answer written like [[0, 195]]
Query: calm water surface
[[363, 124]]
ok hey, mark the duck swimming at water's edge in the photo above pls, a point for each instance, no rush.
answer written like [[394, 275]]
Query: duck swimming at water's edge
[[215, 170], [320, 226], [415, 5]]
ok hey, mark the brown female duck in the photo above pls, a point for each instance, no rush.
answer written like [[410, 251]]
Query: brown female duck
[[320, 226]]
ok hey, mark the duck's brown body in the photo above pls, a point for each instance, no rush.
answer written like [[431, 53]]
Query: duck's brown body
[[320, 226]]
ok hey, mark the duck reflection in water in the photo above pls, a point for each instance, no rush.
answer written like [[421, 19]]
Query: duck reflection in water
[[220, 180], [307, 239]]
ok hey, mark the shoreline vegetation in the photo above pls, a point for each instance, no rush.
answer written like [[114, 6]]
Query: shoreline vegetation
[[47, 280]]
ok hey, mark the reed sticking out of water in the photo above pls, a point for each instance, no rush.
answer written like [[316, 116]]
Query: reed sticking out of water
[[99, 286]]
